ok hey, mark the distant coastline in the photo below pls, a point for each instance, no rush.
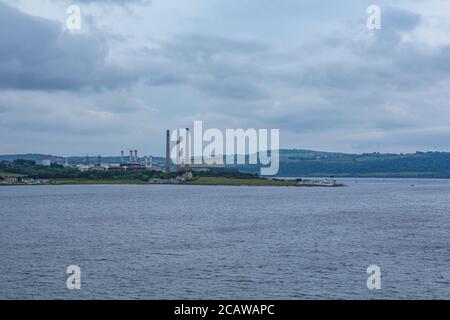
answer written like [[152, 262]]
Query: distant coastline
[[197, 181], [310, 163]]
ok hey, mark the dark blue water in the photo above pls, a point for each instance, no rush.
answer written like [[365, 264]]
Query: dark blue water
[[195, 242]]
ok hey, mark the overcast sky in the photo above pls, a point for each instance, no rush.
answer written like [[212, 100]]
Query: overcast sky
[[309, 68]]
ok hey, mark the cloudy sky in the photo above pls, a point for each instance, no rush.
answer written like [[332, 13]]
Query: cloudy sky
[[310, 68]]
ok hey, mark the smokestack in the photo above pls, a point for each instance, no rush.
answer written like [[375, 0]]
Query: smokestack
[[168, 152], [188, 150], [131, 155], [178, 162], [135, 156], [121, 158]]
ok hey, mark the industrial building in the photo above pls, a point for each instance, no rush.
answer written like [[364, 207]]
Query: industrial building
[[133, 162], [186, 164], [181, 165]]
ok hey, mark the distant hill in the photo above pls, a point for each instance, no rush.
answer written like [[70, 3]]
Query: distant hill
[[308, 163], [29, 156]]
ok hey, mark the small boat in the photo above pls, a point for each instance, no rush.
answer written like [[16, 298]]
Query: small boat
[[318, 183]]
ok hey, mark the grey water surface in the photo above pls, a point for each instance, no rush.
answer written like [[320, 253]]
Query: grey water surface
[[217, 242]]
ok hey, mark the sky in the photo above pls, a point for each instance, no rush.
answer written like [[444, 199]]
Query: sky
[[309, 68]]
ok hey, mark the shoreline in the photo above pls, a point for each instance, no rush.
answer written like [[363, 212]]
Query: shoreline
[[215, 181], [198, 181]]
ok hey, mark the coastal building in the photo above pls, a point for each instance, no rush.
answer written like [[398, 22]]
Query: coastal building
[[186, 176], [9, 180], [23, 180], [84, 167]]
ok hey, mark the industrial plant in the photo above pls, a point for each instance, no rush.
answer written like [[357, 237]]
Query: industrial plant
[[181, 165], [132, 162], [176, 167]]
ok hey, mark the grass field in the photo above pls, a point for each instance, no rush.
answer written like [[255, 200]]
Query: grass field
[[197, 181], [95, 181], [9, 175], [239, 182]]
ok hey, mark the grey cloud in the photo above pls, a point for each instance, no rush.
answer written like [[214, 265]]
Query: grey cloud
[[70, 113], [203, 47], [351, 81], [220, 66], [358, 76], [382, 64], [119, 2], [234, 88], [4, 109], [235, 68], [365, 83], [36, 54], [397, 20]]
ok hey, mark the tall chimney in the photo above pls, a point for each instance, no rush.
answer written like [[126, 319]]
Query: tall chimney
[[168, 152], [187, 151], [121, 158], [177, 160], [135, 156], [131, 155]]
